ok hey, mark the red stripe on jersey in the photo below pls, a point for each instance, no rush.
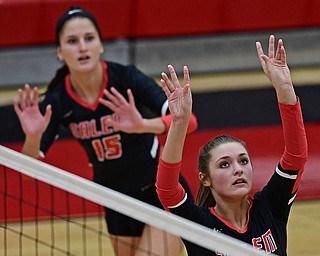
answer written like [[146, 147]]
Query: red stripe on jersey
[[80, 101]]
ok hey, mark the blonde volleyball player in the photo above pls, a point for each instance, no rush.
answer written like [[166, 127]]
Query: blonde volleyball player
[[225, 168]]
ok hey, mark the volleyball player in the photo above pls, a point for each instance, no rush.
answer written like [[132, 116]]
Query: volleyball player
[[225, 169], [123, 159]]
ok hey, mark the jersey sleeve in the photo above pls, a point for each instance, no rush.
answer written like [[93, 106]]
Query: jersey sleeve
[[282, 188], [169, 190], [296, 149]]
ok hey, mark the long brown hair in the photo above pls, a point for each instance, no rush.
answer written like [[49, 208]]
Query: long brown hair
[[204, 196]]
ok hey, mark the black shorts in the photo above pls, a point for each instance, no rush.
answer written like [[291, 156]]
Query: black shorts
[[121, 225]]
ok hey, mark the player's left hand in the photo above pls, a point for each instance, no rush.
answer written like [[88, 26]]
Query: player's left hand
[[126, 116], [274, 63], [179, 96]]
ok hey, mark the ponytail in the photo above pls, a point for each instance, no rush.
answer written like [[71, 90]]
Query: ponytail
[[60, 75], [204, 197]]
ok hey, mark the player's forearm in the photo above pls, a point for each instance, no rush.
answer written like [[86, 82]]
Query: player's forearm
[[173, 148], [153, 125], [31, 147], [286, 94]]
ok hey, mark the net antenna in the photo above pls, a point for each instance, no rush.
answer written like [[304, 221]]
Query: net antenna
[[134, 208]]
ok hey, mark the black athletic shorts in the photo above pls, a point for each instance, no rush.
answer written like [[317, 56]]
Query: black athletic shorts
[[121, 225]]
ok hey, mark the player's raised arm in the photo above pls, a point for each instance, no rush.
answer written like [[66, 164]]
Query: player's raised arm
[[275, 67]]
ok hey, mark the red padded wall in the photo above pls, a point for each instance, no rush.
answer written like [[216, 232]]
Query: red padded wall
[[32, 22]]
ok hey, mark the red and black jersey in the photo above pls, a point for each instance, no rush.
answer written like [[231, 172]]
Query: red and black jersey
[[121, 161], [266, 227]]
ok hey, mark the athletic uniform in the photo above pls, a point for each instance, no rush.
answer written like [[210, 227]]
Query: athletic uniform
[[121, 161], [268, 210]]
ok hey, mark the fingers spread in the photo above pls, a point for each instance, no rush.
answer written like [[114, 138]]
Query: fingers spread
[[27, 98], [169, 86], [115, 99]]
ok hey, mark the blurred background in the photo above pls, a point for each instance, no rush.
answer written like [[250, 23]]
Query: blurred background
[[215, 38], [209, 36]]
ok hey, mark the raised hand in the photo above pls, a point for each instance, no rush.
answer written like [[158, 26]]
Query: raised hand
[[276, 69], [33, 123], [127, 117], [274, 64], [179, 97]]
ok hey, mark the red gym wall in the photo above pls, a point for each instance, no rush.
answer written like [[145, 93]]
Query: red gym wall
[[32, 22]]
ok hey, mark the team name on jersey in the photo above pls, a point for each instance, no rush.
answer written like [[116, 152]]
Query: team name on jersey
[[266, 242], [89, 129]]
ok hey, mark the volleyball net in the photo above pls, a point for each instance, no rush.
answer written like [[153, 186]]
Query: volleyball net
[[45, 210]]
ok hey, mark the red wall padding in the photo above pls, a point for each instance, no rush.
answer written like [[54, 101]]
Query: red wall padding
[[32, 22]]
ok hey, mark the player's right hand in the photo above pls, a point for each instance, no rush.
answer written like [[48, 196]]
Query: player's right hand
[[33, 123]]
